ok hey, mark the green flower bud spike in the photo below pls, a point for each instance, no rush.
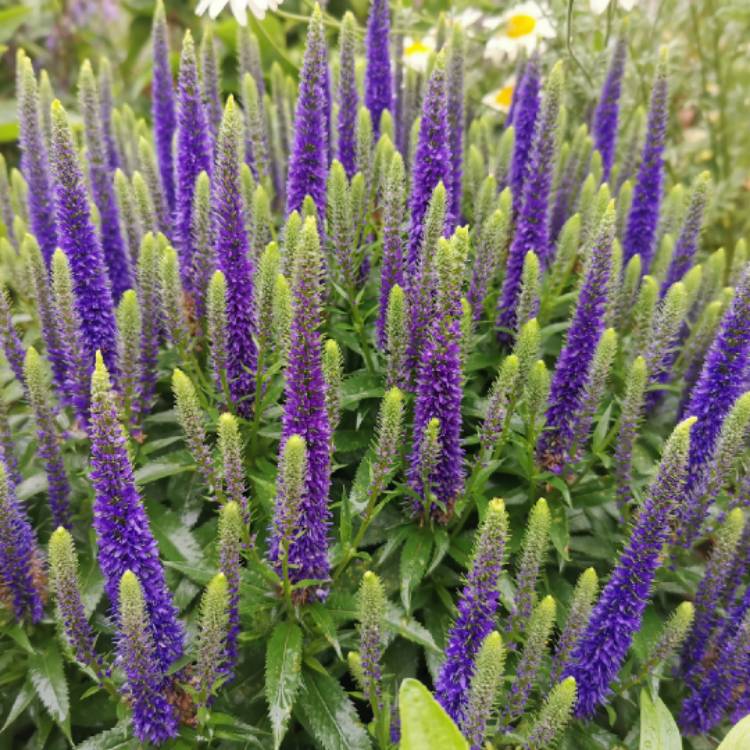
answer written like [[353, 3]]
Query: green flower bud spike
[[129, 354], [282, 315], [397, 333], [484, 689], [553, 717], [528, 299], [216, 312], [173, 305], [192, 420], [233, 470], [333, 374], [214, 624], [372, 604]]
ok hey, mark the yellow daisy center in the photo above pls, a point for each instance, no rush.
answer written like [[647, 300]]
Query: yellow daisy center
[[520, 25], [504, 96], [417, 47]]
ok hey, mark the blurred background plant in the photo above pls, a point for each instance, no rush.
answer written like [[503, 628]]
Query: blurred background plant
[[708, 40]]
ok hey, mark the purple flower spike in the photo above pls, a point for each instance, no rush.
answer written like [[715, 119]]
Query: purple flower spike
[[233, 259], [102, 186], [154, 719], [532, 224], [574, 363], [193, 155], [348, 97], [687, 243], [604, 129], [19, 557], [643, 218], [122, 529], [9, 338], [477, 607], [80, 243], [720, 384], [308, 162], [525, 110], [601, 651], [162, 103], [439, 392], [378, 79], [432, 163], [34, 162], [305, 415]]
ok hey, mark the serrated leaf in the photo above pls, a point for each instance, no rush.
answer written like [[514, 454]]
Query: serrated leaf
[[283, 673], [424, 723], [326, 625], [48, 677], [117, 738], [327, 713], [738, 737], [407, 627], [415, 557], [658, 728]]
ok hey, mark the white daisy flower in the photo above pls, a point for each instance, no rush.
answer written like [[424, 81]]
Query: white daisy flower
[[239, 8], [417, 51], [500, 99], [523, 27]]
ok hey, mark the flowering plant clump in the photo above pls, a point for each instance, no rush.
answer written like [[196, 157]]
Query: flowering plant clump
[[366, 408]]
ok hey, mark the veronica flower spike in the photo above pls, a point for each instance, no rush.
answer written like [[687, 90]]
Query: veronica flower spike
[[476, 612], [640, 232], [123, 533], [601, 650], [80, 243]]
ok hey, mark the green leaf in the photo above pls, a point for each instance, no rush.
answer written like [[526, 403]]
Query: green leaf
[[283, 672], [24, 696], [159, 469], [11, 18], [323, 619], [407, 627], [34, 485], [48, 678], [415, 557], [424, 723], [658, 728], [738, 737], [324, 709], [117, 738]]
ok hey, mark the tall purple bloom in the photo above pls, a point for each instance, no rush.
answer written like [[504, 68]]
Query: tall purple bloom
[[233, 259], [79, 241], [18, 555], [439, 392], [601, 651], [455, 93], [720, 384], [477, 607], [162, 103], [574, 363], [604, 128], [34, 162], [729, 674], [378, 79], [154, 717], [687, 243], [532, 224], [102, 186], [193, 155], [308, 162], [432, 163], [643, 218], [525, 110], [348, 97], [122, 528], [305, 415]]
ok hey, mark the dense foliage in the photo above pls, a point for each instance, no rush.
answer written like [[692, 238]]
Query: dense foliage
[[338, 412]]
